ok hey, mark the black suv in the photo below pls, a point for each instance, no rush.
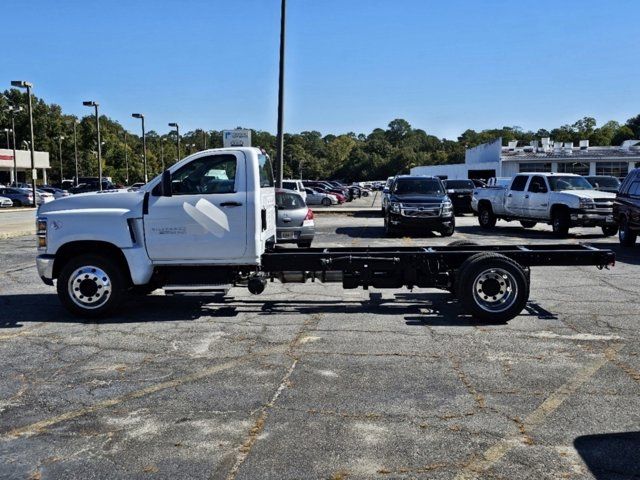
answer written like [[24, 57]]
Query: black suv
[[626, 209], [460, 192], [421, 203]]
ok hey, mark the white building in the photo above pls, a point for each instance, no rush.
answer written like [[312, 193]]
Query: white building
[[493, 160], [23, 161]]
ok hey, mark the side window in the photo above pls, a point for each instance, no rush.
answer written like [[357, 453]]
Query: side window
[[266, 171], [537, 185], [519, 182], [206, 175], [634, 190]]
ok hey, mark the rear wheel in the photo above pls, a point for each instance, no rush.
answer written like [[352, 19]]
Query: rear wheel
[[528, 223], [609, 230], [492, 287], [326, 202], [626, 236], [486, 218], [17, 203], [91, 285], [447, 231], [560, 223]]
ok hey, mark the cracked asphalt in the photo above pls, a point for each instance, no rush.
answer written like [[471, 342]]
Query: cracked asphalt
[[315, 382]]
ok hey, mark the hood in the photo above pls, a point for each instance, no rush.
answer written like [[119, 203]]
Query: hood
[[589, 194], [107, 199], [413, 198]]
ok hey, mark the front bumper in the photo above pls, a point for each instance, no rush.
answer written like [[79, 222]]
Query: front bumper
[[425, 223], [44, 264], [589, 218]]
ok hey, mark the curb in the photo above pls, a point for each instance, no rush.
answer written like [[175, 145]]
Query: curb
[[24, 233]]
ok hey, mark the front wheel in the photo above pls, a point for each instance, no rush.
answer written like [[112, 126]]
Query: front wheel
[[91, 285], [609, 230], [486, 218], [560, 223], [389, 230], [447, 231], [492, 287], [626, 236]]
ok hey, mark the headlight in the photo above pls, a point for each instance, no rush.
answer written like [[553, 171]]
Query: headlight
[[395, 207], [447, 207], [587, 203], [41, 232]]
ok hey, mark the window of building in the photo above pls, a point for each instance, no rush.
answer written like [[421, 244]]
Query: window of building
[[579, 168], [535, 167], [615, 169]]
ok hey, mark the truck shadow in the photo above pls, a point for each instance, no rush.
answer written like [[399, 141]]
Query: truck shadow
[[378, 232], [515, 230], [611, 455]]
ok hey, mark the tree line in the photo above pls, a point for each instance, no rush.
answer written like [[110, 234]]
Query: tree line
[[309, 154]]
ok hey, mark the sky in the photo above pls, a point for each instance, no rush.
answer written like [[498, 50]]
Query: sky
[[351, 65]]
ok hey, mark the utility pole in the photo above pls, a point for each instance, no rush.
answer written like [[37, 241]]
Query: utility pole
[[60, 138], [75, 147], [126, 158], [28, 85], [280, 139]]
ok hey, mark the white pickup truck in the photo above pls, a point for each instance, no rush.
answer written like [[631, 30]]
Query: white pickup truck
[[561, 199], [208, 224]]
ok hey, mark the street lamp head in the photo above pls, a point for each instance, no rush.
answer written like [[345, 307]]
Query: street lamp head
[[90, 103], [173, 124], [137, 115], [60, 137], [21, 84]]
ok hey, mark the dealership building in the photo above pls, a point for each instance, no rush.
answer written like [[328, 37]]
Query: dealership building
[[23, 166], [494, 160]]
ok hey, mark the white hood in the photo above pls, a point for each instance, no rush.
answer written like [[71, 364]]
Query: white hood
[[107, 199], [589, 194]]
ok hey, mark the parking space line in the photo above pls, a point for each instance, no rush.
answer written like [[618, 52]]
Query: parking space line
[[492, 455], [38, 427]]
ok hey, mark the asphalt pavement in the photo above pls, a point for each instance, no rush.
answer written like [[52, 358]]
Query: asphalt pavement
[[312, 381]]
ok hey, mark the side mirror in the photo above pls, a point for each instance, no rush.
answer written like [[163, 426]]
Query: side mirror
[[165, 184], [385, 190]]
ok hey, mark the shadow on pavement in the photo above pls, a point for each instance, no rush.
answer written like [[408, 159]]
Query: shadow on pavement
[[515, 230], [611, 455]]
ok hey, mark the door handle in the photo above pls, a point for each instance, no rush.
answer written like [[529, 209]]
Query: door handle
[[526, 196], [286, 220], [231, 204], [510, 195]]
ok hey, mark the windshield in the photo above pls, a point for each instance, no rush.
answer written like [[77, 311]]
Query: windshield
[[459, 184], [419, 186], [569, 183], [604, 182]]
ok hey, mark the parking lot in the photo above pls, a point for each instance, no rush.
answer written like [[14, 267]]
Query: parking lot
[[313, 381]]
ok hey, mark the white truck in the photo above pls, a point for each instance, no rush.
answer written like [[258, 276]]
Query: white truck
[[208, 224], [563, 200]]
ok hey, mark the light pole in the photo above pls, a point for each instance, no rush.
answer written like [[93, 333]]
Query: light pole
[[95, 105], [144, 146], [13, 110], [162, 152], [27, 86], [75, 146], [60, 138], [280, 139], [126, 158], [204, 139], [177, 127]]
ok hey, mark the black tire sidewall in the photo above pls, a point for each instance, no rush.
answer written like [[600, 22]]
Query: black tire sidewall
[[115, 275], [326, 202], [560, 223], [626, 236]]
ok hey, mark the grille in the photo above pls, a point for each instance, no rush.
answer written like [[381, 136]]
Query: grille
[[421, 209], [604, 203]]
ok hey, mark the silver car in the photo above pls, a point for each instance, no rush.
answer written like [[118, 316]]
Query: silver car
[[319, 198], [5, 202], [294, 222]]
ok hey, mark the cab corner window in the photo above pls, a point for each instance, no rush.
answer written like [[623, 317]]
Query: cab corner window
[[206, 175], [266, 171]]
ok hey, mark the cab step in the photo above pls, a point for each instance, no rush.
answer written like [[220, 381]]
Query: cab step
[[203, 289]]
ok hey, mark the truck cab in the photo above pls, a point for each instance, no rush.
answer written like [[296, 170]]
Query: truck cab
[[214, 208]]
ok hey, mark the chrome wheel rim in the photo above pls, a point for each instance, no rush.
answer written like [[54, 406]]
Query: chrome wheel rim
[[495, 290], [89, 287]]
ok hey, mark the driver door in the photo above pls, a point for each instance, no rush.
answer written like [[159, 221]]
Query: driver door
[[205, 218], [537, 198]]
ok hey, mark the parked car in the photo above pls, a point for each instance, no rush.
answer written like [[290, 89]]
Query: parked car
[[604, 183], [339, 196], [294, 220], [295, 185], [44, 197], [5, 202], [20, 197], [136, 186], [460, 192], [318, 198], [419, 202], [326, 187], [56, 192], [92, 187], [564, 200], [626, 209], [385, 194]]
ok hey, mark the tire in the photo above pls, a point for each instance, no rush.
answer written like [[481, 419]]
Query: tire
[[17, 203], [462, 243], [448, 231], [560, 223], [626, 236], [528, 223], [306, 244], [486, 218], [492, 287], [389, 230], [84, 271], [609, 230], [326, 202]]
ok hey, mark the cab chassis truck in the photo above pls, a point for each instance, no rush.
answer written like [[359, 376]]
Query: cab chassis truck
[[208, 224]]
